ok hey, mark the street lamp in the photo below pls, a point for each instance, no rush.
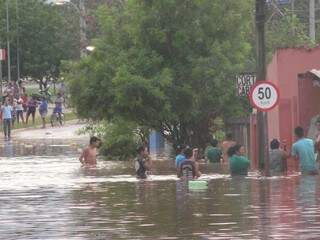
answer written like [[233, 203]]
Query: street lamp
[[90, 48], [83, 26]]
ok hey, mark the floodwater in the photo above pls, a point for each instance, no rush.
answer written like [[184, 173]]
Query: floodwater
[[45, 194]]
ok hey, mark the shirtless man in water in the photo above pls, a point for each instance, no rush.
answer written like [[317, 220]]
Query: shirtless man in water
[[89, 154], [226, 144]]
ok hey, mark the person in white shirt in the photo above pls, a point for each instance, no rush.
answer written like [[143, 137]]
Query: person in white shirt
[[6, 110], [19, 110]]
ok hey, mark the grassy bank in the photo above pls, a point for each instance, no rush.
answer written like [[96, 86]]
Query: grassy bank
[[38, 122]]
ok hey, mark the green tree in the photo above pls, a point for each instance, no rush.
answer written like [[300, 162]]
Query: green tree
[[286, 31], [45, 34], [167, 65]]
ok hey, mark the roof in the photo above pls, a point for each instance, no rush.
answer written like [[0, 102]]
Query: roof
[[313, 74]]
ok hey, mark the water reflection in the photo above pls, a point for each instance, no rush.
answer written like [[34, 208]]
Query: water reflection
[[45, 194]]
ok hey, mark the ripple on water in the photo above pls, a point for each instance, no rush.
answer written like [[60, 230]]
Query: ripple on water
[[54, 198], [222, 223]]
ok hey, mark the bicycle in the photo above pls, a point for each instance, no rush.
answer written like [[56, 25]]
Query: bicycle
[[57, 118]]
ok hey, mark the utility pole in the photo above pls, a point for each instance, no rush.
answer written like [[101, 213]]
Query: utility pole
[[262, 124], [18, 41], [312, 20], [292, 15], [83, 27], [8, 42], [0, 78]]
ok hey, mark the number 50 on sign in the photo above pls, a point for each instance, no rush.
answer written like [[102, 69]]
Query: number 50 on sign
[[264, 95]]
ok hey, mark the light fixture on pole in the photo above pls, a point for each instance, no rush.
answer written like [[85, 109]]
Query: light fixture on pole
[[90, 48]]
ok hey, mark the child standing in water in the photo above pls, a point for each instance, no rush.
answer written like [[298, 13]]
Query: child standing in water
[[142, 162], [89, 154]]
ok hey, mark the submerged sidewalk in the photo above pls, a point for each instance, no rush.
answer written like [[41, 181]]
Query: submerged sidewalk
[[68, 131]]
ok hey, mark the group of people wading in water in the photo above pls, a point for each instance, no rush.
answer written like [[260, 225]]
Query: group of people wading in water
[[229, 152]]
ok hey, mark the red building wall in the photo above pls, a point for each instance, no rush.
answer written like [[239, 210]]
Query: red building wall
[[283, 71], [299, 100]]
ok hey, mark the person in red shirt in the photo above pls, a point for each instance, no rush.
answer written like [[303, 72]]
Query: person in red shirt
[[24, 98]]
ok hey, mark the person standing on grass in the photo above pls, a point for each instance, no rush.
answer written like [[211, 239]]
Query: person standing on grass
[[19, 110], [6, 110], [43, 110], [58, 104], [32, 107], [14, 111], [25, 99], [303, 150]]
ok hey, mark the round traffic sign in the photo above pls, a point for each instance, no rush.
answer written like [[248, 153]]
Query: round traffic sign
[[264, 95]]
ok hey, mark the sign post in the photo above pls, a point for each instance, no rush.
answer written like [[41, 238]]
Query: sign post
[[262, 123], [264, 96]]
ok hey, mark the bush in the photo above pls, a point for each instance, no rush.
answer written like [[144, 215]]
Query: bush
[[120, 139]]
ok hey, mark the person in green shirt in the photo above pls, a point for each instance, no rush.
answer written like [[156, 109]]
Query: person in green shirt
[[213, 153], [238, 163]]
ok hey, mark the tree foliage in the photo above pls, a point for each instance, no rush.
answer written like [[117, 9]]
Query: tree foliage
[[286, 31], [45, 37], [166, 65]]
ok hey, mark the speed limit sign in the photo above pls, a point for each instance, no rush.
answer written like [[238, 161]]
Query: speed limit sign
[[264, 95]]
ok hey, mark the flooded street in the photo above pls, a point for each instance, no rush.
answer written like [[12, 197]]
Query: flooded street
[[45, 194]]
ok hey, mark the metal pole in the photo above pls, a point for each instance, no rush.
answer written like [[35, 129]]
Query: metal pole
[[83, 27], [1, 80], [18, 41], [292, 15], [8, 42], [312, 20], [263, 152]]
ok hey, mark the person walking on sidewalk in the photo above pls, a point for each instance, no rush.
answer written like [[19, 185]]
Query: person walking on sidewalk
[[6, 110]]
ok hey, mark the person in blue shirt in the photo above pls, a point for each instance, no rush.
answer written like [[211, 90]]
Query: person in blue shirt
[[6, 110], [181, 156], [303, 150]]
